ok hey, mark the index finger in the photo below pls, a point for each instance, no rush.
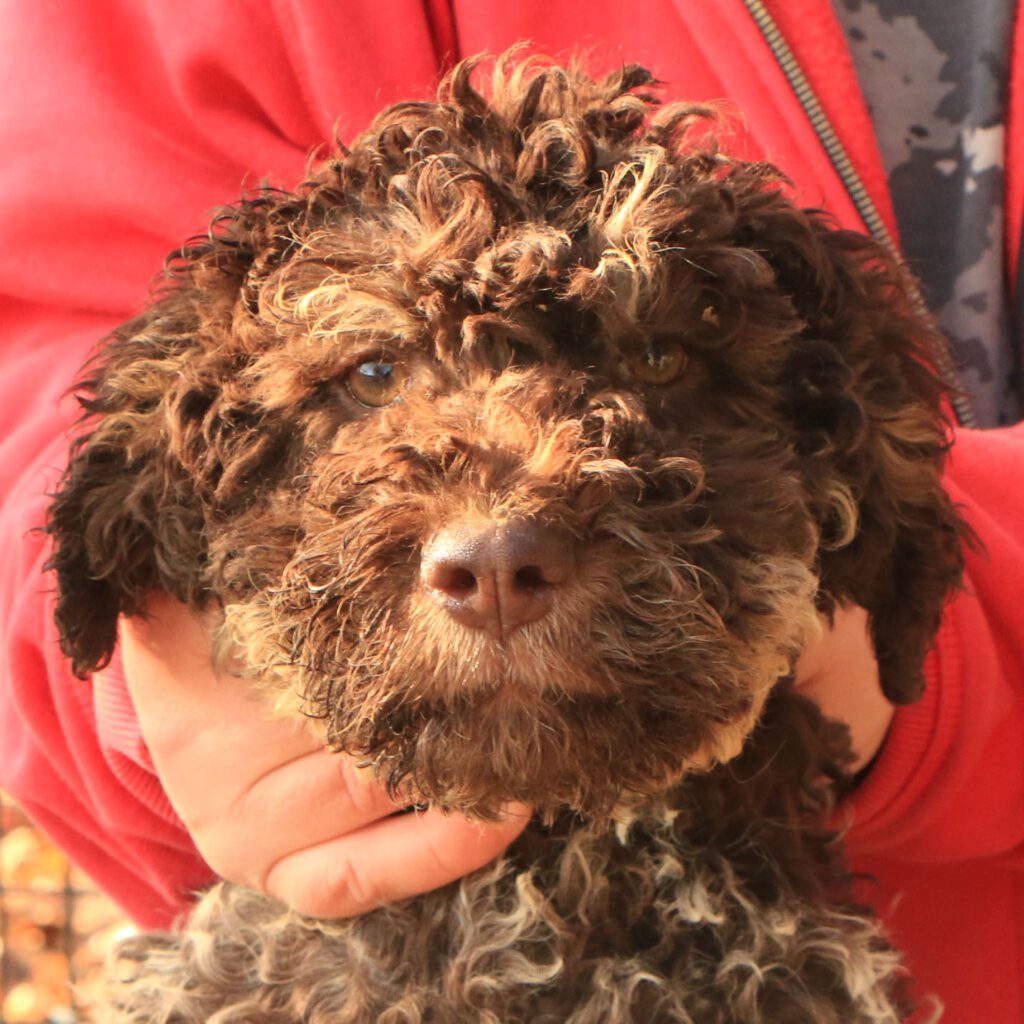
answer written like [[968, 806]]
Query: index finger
[[392, 859]]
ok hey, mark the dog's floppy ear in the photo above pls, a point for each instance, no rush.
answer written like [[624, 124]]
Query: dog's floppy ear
[[865, 402], [169, 446], [125, 519]]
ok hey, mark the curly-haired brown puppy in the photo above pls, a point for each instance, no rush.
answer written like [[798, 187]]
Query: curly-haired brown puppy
[[523, 445]]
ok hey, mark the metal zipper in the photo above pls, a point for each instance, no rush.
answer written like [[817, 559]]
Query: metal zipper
[[862, 200]]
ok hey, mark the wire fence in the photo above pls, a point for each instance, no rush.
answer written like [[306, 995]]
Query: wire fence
[[55, 928]]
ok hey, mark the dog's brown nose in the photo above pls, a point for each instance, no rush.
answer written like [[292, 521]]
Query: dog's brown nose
[[497, 576]]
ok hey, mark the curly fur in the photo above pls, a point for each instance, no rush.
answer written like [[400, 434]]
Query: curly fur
[[530, 256], [700, 908]]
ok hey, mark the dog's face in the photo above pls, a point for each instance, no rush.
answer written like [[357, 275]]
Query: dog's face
[[516, 446]]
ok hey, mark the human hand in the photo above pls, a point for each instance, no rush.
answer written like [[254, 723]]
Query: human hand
[[267, 805], [839, 672]]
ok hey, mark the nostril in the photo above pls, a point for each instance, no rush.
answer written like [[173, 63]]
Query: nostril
[[530, 578], [454, 580]]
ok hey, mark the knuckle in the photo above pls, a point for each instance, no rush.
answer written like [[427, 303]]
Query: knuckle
[[361, 791], [349, 892]]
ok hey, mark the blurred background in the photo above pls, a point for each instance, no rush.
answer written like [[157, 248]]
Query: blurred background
[[55, 928]]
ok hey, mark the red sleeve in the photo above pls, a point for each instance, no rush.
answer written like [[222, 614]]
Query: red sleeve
[[815, 37], [133, 120], [949, 785], [135, 117], [106, 810]]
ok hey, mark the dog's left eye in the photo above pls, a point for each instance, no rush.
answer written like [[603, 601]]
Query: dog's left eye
[[376, 383], [660, 363]]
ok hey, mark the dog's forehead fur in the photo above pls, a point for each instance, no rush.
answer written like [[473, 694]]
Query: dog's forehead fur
[[554, 222]]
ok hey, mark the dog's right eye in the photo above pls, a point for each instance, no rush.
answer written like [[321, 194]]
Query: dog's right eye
[[376, 383], [662, 362]]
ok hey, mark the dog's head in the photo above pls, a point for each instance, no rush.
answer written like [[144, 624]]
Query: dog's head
[[523, 444]]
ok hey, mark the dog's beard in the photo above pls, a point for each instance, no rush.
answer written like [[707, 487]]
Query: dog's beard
[[634, 678]]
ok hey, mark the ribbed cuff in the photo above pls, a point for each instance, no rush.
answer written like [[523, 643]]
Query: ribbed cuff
[[120, 739]]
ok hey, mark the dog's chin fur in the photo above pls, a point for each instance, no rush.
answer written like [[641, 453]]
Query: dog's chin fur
[[599, 704], [596, 324]]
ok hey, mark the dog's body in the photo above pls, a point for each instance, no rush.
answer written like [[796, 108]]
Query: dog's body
[[524, 447]]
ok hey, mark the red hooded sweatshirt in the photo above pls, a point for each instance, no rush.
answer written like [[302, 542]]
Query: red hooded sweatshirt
[[126, 121]]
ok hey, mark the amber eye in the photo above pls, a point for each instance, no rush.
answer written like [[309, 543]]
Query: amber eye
[[376, 382], [660, 363]]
